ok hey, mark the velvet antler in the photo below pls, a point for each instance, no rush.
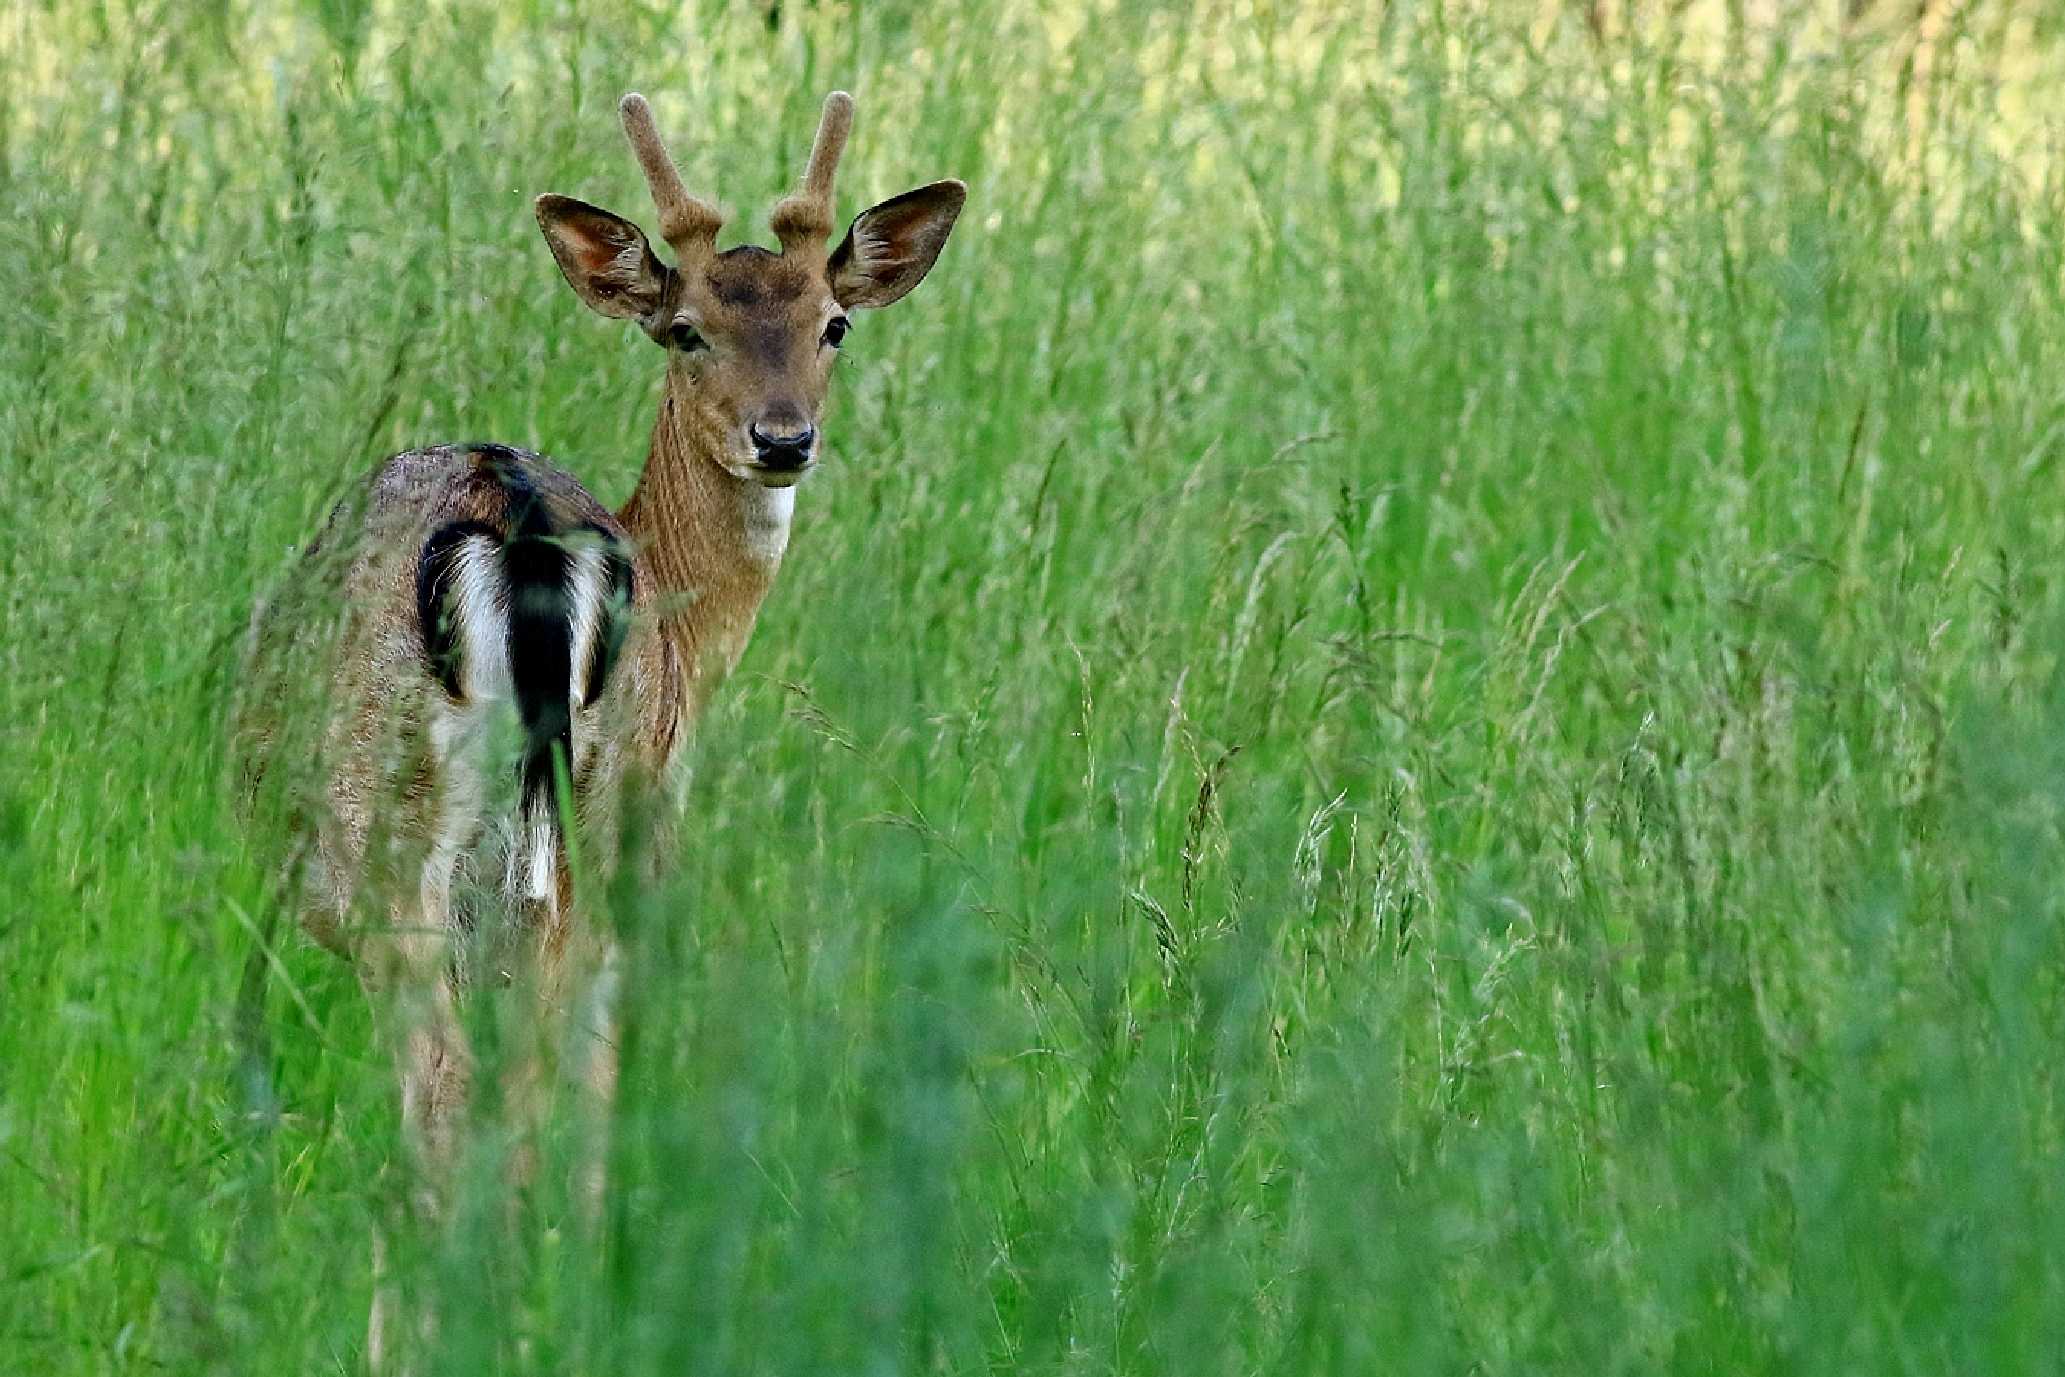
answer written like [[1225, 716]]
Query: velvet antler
[[802, 220], [687, 222]]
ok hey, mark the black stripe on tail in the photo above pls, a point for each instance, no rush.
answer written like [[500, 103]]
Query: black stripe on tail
[[541, 653], [536, 566]]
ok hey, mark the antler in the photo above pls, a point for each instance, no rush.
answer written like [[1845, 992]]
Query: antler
[[688, 223], [802, 220]]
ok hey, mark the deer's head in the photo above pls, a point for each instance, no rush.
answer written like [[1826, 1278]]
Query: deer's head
[[750, 335]]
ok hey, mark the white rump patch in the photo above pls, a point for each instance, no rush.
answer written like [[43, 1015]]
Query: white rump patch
[[480, 610]]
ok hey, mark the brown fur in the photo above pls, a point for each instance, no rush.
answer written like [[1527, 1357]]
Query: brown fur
[[395, 813]]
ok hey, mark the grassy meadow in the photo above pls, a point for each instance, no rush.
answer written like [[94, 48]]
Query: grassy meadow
[[1417, 726]]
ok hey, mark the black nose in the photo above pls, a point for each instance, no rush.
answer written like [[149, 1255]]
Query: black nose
[[783, 448]]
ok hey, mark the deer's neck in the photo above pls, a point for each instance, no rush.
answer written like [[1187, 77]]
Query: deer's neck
[[714, 543]]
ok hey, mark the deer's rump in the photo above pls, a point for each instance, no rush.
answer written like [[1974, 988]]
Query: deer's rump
[[529, 604], [482, 600]]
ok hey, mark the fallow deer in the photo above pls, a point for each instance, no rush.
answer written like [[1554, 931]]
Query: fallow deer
[[481, 593]]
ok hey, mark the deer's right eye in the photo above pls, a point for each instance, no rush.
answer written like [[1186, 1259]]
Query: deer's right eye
[[684, 337]]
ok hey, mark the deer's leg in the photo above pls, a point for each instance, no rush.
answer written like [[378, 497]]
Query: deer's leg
[[413, 979], [436, 1072], [436, 1066], [576, 975], [537, 964], [594, 1046]]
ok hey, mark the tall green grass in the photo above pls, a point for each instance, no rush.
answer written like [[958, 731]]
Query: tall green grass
[[1416, 728]]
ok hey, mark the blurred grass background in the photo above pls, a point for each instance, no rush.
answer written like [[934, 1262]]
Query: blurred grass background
[[1415, 729]]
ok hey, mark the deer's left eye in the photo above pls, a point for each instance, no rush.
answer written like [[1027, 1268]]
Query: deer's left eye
[[835, 330]]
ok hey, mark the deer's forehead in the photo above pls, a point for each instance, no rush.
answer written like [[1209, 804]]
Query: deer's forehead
[[751, 282]]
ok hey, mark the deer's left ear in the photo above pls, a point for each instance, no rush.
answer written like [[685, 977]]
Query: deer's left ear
[[890, 248], [605, 257]]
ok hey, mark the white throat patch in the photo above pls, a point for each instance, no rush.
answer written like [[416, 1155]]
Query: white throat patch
[[767, 513]]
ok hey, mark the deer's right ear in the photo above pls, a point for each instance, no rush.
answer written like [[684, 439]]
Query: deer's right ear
[[605, 257]]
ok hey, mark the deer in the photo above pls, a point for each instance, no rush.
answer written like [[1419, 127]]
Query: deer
[[503, 659]]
